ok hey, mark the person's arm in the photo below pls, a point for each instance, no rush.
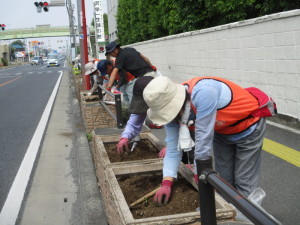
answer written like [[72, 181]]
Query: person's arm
[[112, 77], [173, 157], [205, 99], [147, 60], [133, 128], [134, 125], [170, 164]]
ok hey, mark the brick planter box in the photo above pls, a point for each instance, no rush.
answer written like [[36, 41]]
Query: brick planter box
[[117, 209], [94, 114]]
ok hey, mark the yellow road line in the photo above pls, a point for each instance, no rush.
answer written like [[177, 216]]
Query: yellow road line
[[288, 154], [9, 81]]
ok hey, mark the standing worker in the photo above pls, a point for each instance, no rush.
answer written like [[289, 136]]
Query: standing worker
[[228, 119], [130, 60]]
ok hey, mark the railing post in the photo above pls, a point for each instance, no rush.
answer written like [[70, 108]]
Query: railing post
[[206, 194], [119, 111]]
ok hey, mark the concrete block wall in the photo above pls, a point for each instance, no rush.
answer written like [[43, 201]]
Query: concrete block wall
[[263, 52]]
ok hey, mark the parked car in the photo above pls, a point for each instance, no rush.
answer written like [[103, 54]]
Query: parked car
[[37, 60], [53, 60]]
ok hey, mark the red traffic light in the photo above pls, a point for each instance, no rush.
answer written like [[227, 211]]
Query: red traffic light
[[46, 5], [2, 26]]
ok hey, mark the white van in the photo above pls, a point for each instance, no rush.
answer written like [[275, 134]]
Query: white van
[[53, 60]]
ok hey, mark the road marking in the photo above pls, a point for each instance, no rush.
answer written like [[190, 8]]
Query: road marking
[[283, 127], [18, 73], [12, 205], [9, 81], [288, 154]]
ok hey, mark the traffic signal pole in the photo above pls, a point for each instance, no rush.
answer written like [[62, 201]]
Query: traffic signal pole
[[85, 49]]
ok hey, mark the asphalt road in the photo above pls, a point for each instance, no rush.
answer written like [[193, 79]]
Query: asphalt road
[[279, 178], [24, 93]]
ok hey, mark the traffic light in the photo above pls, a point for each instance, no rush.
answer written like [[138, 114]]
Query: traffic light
[[2, 26], [46, 6], [40, 5]]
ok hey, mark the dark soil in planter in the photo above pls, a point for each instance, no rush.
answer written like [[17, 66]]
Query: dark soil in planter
[[184, 197], [143, 150]]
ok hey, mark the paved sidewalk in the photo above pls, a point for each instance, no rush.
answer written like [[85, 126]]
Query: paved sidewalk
[[63, 188]]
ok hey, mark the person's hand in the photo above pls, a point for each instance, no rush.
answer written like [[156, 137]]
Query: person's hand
[[123, 142], [163, 194], [162, 152], [108, 87], [196, 178]]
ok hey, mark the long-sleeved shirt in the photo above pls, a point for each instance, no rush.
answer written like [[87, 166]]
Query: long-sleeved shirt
[[134, 125], [207, 96]]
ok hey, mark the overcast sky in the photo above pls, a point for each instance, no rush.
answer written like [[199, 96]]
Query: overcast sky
[[23, 14], [16, 14]]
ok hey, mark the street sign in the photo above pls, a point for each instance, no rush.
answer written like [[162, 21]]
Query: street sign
[[81, 36]]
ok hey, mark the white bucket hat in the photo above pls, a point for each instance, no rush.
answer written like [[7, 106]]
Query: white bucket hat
[[89, 68], [164, 98]]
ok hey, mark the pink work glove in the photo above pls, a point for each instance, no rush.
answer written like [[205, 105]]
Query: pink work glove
[[123, 142], [162, 152], [196, 178], [163, 194], [106, 86]]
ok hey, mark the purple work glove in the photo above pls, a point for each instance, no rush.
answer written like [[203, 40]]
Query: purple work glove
[[123, 142], [163, 194], [162, 152]]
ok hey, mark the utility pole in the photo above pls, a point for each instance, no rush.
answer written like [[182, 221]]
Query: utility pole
[[70, 9], [85, 49]]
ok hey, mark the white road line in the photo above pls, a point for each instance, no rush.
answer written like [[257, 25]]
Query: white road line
[[18, 73], [283, 127], [15, 196]]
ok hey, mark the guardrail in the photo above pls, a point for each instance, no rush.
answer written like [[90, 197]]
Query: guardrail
[[210, 180], [118, 105]]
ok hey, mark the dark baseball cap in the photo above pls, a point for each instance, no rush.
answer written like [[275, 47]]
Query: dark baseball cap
[[102, 66], [110, 47]]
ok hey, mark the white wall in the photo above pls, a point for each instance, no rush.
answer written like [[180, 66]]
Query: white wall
[[112, 8], [263, 52]]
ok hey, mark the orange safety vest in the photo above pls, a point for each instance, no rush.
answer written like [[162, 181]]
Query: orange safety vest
[[236, 116]]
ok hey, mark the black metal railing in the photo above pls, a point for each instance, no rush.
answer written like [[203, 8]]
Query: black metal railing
[[118, 105], [210, 180]]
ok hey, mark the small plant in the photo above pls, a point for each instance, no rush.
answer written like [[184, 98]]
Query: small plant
[[89, 136], [146, 203], [4, 62]]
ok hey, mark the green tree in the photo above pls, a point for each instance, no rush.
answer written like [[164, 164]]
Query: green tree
[[140, 20], [18, 42], [105, 21]]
